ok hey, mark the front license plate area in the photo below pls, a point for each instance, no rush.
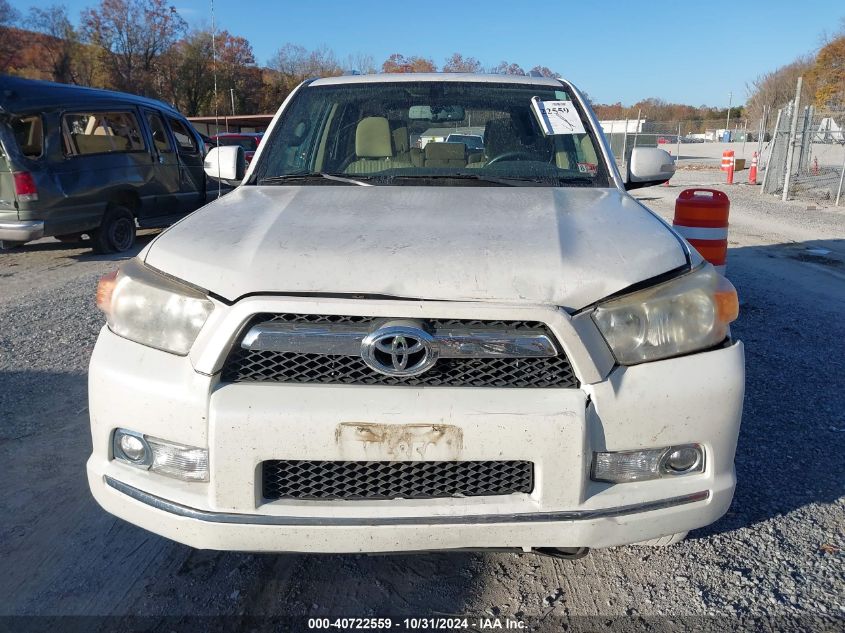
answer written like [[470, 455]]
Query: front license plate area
[[400, 442]]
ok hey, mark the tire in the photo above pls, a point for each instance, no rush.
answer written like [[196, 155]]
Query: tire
[[663, 541], [6, 245], [116, 233]]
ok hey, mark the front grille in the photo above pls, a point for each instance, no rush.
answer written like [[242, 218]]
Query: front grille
[[294, 479], [243, 365]]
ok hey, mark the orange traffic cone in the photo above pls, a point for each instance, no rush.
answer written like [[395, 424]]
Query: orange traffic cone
[[752, 173]]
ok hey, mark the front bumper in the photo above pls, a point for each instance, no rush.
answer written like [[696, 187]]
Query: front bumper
[[696, 398], [21, 230]]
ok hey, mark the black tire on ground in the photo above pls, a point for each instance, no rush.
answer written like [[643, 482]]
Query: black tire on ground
[[116, 233], [69, 238]]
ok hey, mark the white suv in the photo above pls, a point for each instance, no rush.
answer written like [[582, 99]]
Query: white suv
[[370, 347]]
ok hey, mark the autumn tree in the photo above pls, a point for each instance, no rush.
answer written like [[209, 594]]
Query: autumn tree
[[294, 63], [776, 88], [361, 62], [397, 63], [507, 68], [457, 63], [828, 74], [8, 17], [543, 71], [133, 35], [65, 54]]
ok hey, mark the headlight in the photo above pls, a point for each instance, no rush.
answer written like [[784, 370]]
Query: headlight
[[683, 315], [149, 308]]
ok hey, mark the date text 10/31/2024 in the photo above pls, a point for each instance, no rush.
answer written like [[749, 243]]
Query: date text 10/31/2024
[[415, 624]]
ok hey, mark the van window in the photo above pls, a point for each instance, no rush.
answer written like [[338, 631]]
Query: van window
[[29, 135], [103, 132], [159, 132], [184, 138]]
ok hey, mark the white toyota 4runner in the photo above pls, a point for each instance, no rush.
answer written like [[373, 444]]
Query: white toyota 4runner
[[381, 341]]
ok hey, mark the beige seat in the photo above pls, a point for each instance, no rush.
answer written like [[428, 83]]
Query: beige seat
[[374, 147], [583, 147], [445, 155]]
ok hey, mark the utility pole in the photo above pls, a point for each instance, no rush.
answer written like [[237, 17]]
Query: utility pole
[[728, 120], [232, 94]]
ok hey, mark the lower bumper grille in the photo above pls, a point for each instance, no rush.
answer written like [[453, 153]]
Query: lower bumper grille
[[295, 479]]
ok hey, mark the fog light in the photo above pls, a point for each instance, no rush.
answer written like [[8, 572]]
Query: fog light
[[188, 463], [652, 463], [131, 447], [682, 459]]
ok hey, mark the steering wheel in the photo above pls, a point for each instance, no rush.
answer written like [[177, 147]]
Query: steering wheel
[[511, 156]]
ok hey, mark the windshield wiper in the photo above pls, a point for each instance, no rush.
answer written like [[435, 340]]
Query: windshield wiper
[[311, 177], [506, 181]]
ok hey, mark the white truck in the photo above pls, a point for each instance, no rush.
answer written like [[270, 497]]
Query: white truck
[[371, 348]]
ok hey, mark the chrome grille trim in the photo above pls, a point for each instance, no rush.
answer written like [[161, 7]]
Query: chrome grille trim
[[247, 361], [341, 339]]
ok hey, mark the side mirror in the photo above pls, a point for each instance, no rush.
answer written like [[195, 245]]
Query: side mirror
[[648, 166], [226, 163]]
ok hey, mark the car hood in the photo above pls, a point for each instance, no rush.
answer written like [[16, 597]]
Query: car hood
[[562, 246]]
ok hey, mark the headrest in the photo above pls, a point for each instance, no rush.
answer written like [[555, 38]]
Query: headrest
[[445, 151], [372, 138], [401, 140]]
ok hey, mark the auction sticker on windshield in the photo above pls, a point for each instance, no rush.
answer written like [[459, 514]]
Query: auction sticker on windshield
[[557, 117]]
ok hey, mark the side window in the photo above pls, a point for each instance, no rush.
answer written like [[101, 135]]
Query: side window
[[29, 135], [159, 132], [103, 132], [184, 139]]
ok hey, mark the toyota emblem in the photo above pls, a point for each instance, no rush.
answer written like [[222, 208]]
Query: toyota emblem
[[399, 350]]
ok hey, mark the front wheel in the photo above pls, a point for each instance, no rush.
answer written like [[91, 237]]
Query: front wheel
[[116, 233]]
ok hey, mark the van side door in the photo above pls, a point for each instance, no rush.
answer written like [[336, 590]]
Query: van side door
[[165, 185], [191, 172]]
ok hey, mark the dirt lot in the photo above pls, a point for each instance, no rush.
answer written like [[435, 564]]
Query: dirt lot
[[777, 553]]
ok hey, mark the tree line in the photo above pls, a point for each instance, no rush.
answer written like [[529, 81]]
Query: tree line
[[823, 83], [145, 47]]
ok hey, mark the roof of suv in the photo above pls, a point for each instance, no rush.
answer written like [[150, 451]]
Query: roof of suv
[[25, 95], [438, 77]]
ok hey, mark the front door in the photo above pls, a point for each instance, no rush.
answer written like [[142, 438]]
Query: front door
[[191, 172], [165, 186]]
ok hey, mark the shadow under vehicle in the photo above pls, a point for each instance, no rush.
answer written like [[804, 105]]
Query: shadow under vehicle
[[78, 161]]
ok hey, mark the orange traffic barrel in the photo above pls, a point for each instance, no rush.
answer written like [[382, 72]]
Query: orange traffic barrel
[[727, 159], [701, 218]]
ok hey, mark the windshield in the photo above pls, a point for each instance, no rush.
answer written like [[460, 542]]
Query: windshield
[[432, 133]]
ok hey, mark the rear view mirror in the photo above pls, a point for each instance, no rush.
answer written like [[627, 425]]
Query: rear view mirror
[[648, 166], [437, 114], [226, 163]]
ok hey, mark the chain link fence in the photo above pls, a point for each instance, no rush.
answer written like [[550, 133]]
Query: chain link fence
[[814, 157], [689, 141], [815, 154]]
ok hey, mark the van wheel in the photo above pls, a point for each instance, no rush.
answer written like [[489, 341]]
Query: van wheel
[[116, 233], [69, 238], [663, 541]]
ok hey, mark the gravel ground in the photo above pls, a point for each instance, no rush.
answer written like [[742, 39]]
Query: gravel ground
[[777, 554]]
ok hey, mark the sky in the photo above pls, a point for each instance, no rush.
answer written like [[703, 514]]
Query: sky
[[683, 51]]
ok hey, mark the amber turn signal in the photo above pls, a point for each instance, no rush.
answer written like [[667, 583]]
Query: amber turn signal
[[727, 302], [105, 288]]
